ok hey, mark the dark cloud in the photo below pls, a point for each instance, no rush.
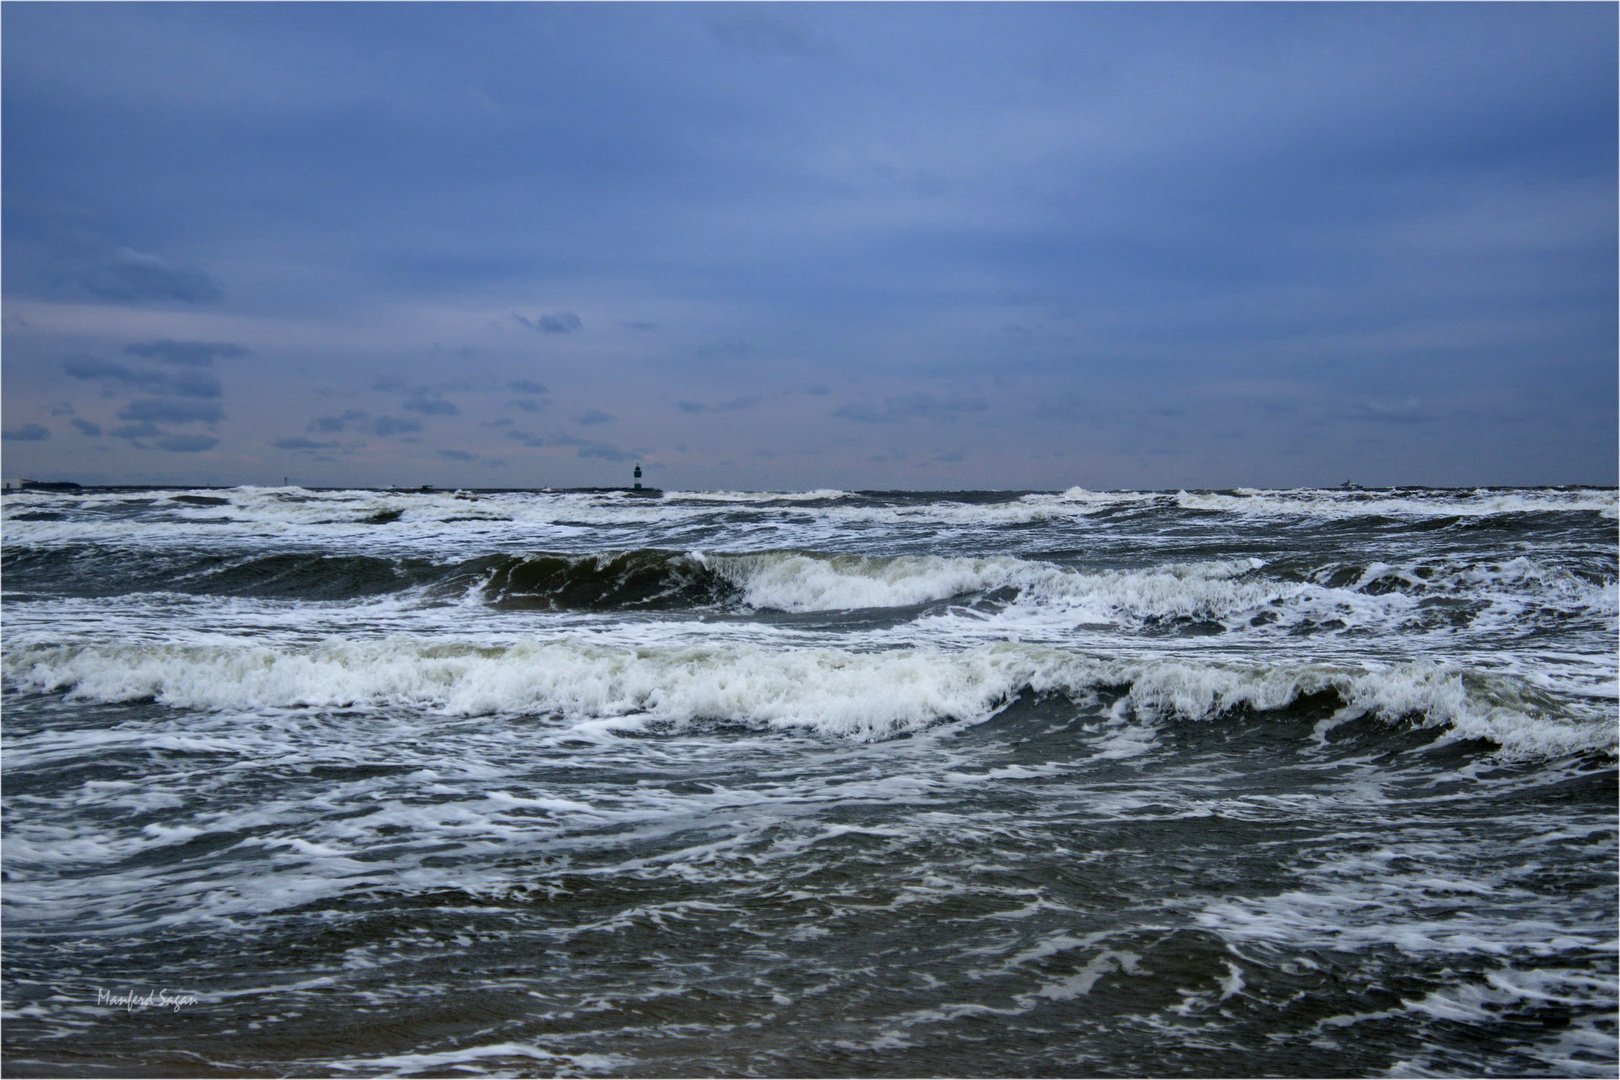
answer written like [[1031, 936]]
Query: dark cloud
[[62, 408], [910, 407], [188, 444], [605, 451], [430, 403], [458, 455], [173, 412], [525, 437], [130, 276], [183, 384], [193, 353], [26, 433], [298, 442], [529, 404], [360, 420], [89, 367], [87, 428], [388, 384], [562, 322], [385, 426], [724, 406], [590, 448], [565, 322], [596, 416], [143, 430], [194, 384], [337, 423], [526, 386]]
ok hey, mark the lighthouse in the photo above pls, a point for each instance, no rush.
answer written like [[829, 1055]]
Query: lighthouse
[[644, 492]]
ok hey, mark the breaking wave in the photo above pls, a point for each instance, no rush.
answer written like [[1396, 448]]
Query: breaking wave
[[1355, 503], [108, 515], [796, 581], [834, 692], [1209, 597]]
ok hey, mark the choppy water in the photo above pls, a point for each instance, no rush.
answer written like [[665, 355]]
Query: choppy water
[[1307, 783]]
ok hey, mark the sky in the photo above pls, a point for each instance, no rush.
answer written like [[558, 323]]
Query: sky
[[793, 247]]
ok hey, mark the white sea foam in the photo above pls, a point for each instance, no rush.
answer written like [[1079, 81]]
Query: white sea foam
[[1329, 503], [523, 1056], [788, 581], [1587, 1047], [634, 779], [860, 695], [1340, 503], [820, 494], [387, 517], [1511, 598]]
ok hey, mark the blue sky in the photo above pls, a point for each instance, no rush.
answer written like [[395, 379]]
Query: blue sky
[[804, 246]]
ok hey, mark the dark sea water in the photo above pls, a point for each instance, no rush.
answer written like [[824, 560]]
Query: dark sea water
[[1245, 783]]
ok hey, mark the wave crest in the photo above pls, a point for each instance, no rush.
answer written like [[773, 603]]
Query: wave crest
[[835, 692]]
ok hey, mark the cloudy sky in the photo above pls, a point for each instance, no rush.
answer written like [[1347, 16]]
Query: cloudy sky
[[784, 246]]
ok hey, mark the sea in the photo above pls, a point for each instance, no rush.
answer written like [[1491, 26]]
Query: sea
[[353, 783]]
